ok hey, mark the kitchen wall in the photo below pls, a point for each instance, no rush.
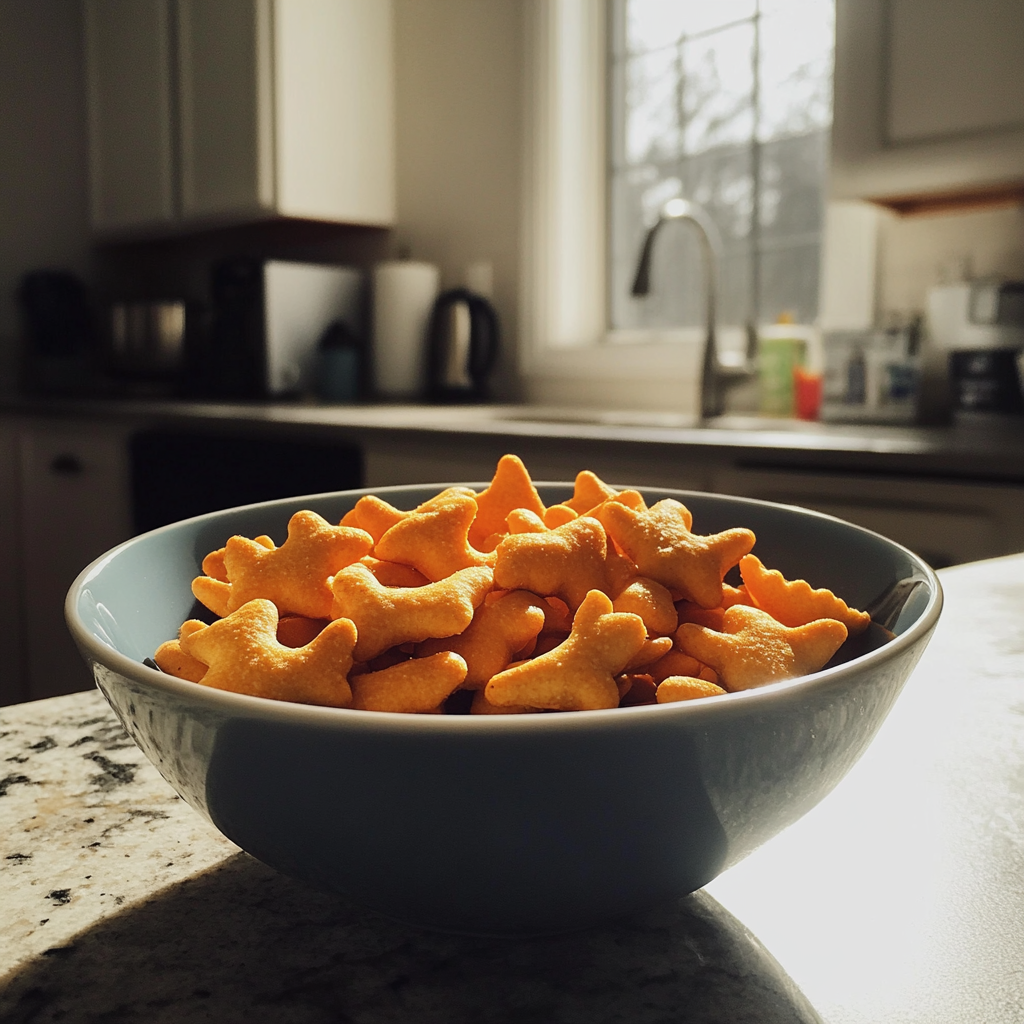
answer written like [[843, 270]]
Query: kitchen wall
[[460, 133], [43, 210], [459, 123], [918, 252]]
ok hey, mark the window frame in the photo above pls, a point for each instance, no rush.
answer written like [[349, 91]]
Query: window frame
[[567, 352]]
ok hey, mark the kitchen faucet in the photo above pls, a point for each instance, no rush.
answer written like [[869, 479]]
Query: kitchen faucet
[[717, 377]]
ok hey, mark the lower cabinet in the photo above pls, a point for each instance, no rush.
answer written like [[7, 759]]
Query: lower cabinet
[[70, 489], [12, 661], [944, 522], [74, 504]]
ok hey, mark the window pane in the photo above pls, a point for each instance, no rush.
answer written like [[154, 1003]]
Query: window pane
[[722, 183], [655, 23], [792, 182], [789, 282], [796, 68], [727, 104], [718, 88], [652, 109]]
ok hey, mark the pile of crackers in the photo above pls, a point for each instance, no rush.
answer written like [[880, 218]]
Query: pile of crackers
[[493, 603]]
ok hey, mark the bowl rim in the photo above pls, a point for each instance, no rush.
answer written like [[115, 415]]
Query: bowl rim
[[234, 704]]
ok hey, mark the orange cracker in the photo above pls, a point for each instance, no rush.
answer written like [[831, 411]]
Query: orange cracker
[[578, 675], [510, 488], [558, 515], [793, 602], [522, 520], [677, 688], [690, 611], [753, 648], [413, 687], [297, 630], [641, 690], [388, 616], [213, 563], [589, 491], [499, 629], [244, 656], [651, 652], [482, 706], [174, 661], [659, 541], [394, 574], [434, 540], [376, 516], [652, 602], [294, 576], [566, 562]]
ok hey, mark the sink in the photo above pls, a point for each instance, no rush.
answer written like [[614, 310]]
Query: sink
[[665, 420], [599, 417]]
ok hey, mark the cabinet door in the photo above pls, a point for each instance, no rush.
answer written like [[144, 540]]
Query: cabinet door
[[12, 672], [75, 504], [334, 107], [929, 97], [129, 91], [946, 523], [226, 83]]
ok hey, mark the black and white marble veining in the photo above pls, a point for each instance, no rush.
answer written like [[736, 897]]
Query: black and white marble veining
[[119, 902], [897, 901]]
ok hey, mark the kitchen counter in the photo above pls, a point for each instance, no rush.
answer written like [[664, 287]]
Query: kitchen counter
[[985, 448], [897, 899]]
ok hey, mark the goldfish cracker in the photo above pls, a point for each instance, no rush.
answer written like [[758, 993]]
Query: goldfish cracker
[[510, 488], [499, 629], [567, 562], [294, 576], [578, 675], [753, 648], [660, 543], [794, 603], [677, 688], [418, 686], [388, 616], [170, 658], [243, 655], [434, 540]]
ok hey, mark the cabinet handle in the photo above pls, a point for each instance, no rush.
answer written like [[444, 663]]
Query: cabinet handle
[[66, 465]]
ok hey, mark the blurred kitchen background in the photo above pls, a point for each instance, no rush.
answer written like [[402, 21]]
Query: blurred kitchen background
[[258, 247]]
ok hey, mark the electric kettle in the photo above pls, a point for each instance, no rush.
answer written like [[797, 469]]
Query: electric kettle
[[462, 348]]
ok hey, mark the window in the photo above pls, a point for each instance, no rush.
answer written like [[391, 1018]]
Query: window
[[582, 339], [727, 104]]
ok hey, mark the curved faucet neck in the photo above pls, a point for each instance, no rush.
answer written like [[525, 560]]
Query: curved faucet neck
[[715, 378]]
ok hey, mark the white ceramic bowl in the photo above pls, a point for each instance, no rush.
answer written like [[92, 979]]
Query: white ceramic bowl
[[527, 823]]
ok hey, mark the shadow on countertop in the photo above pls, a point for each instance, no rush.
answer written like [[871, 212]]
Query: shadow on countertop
[[243, 943]]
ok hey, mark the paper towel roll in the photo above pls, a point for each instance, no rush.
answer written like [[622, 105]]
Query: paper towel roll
[[403, 297]]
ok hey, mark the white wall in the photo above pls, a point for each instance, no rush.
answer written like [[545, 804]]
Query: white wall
[[459, 130], [918, 252], [43, 211]]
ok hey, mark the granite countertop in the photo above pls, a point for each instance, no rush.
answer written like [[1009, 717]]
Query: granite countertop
[[985, 448], [898, 899]]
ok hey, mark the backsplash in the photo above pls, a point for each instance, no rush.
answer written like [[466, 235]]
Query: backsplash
[[915, 253]]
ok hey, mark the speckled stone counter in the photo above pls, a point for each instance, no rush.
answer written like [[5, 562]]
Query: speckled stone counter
[[899, 899]]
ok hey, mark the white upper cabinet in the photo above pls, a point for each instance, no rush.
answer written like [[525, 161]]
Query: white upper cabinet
[[929, 98], [270, 108], [130, 102]]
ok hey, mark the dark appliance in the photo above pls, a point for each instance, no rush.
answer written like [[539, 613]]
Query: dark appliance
[[986, 381], [463, 346]]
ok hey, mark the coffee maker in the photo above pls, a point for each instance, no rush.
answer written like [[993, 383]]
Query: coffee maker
[[980, 325]]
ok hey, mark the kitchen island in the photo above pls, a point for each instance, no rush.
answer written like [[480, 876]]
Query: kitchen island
[[897, 899]]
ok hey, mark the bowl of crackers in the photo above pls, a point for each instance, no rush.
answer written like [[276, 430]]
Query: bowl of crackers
[[504, 707]]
